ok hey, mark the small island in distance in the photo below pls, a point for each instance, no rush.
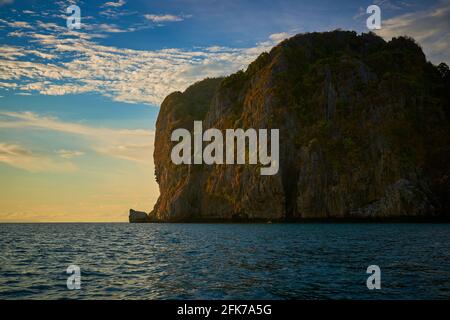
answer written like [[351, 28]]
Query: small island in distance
[[364, 135]]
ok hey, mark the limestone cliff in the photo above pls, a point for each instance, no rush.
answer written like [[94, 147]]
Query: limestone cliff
[[364, 132]]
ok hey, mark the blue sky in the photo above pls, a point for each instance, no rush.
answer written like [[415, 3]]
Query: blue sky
[[78, 108]]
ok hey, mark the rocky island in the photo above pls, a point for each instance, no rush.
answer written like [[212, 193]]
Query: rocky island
[[137, 216], [364, 133]]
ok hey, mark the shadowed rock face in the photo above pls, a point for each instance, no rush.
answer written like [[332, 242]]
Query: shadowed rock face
[[137, 216], [363, 133]]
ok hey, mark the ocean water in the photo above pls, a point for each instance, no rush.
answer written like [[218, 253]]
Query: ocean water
[[225, 261]]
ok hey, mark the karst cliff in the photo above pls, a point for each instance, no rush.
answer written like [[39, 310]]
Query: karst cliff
[[364, 133]]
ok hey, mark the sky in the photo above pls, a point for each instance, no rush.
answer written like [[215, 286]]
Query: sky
[[78, 107]]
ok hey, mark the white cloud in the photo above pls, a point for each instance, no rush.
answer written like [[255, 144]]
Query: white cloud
[[17, 156], [16, 24], [11, 52], [58, 62], [129, 144], [90, 67], [16, 34], [114, 4], [42, 55], [50, 26], [8, 85], [429, 27], [163, 18], [112, 28], [278, 37], [69, 154]]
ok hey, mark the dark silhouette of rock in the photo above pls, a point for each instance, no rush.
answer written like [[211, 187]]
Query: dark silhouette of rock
[[138, 216], [364, 133]]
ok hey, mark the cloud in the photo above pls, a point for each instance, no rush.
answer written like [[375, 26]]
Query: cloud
[[140, 153], [117, 12], [278, 37], [50, 26], [385, 6], [11, 52], [129, 144], [429, 27], [16, 24], [112, 28], [85, 66], [54, 61], [43, 55], [361, 13], [17, 156], [8, 85], [97, 193], [163, 18], [16, 34], [391, 5], [114, 4], [69, 154]]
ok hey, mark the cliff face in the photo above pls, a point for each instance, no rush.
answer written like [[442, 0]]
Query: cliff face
[[363, 126]]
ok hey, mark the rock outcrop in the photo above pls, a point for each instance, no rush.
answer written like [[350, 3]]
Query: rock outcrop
[[138, 216], [364, 132]]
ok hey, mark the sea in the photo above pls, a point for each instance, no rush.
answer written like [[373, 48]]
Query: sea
[[224, 261]]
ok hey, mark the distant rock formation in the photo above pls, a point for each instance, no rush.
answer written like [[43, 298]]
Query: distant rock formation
[[364, 133], [138, 216]]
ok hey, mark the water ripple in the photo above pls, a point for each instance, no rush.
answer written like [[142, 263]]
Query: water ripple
[[224, 261]]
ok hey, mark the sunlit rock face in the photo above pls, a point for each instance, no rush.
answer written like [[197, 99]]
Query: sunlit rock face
[[364, 133]]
